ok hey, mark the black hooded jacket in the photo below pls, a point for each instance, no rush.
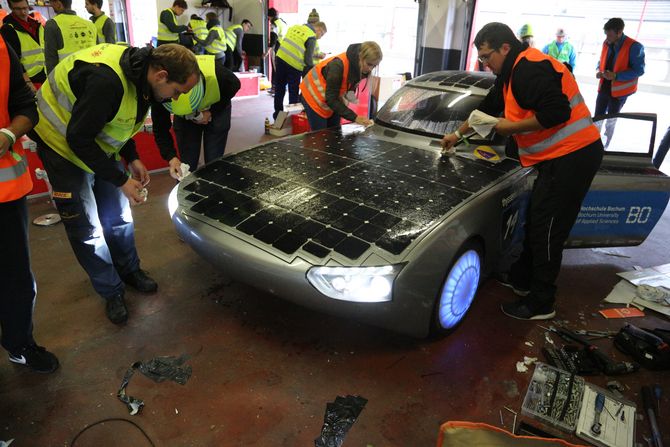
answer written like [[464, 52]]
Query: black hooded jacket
[[99, 91], [333, 72]]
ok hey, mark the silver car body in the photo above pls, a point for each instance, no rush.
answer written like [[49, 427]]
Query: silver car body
[[385, 196]]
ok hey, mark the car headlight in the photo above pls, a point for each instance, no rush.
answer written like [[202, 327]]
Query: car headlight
[[358, 284], [173, 203]]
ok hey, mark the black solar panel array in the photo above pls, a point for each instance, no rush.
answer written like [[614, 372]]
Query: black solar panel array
[[328, 191]]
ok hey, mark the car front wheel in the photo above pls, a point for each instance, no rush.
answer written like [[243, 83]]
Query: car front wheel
[[458, 290]]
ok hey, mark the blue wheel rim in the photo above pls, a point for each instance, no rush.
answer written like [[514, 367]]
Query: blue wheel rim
[[459, 289]]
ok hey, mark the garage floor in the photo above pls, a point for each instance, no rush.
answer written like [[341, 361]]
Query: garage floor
[[264, 369]]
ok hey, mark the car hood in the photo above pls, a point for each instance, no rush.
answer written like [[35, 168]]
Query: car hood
[[334, 196]]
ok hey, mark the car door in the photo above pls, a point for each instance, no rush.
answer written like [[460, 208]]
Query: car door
[[628, 195]]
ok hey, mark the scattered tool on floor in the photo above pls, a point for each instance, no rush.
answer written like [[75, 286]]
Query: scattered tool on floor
[[648, 401], [600, 404]]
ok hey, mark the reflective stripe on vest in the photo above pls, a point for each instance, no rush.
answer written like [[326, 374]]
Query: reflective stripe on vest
[[32, 53], [563, 55], [199, 28], [546, 144], [218, 45], [292, 47], [77, 34], [99, 24], [55, 101], [15, 181], [313, 86], [619, 88], [164, 32], [231, 37], [183, 105]]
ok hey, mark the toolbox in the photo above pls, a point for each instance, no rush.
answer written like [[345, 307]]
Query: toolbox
[[566, 401]]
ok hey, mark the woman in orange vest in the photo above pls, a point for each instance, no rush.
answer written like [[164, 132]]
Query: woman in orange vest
[[324, 87], [552, 127], [18, 114]]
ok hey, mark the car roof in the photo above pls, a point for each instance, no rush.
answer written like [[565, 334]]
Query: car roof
[[478, 82]]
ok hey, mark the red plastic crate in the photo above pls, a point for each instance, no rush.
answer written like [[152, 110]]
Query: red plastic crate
[[299, 123]]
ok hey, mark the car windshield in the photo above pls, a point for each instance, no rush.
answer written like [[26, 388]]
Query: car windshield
[[427, 112]]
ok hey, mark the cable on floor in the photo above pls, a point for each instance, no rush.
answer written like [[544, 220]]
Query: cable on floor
[[112, 420]]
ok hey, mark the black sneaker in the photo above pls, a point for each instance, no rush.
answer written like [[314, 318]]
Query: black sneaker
[[140, 281], [521, 310], [505, 279], [36, 358], [116, 309]]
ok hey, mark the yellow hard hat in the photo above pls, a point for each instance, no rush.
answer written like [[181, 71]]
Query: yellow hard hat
[[526, 31]]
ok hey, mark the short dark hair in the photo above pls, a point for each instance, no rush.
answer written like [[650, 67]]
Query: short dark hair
[[247, 21], [18, 1], [180, 3], [272, 12], [495, 34], [211, 16], [67, 4], [616, 24], [98, 3], [177, 60]]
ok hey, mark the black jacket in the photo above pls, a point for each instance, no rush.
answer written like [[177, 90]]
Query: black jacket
[[334, 72]]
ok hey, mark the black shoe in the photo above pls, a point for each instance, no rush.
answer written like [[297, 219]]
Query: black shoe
[[141, 281], [36, 358], [505, 279], [522, 310], [116, 309]]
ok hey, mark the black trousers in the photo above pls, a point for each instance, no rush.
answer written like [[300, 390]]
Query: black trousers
[[286, 76], [555, 201], [233, 60], [213, 137], [17, 298]]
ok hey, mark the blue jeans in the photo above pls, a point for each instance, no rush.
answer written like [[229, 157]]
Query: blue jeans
[[662, 149], [607, 104], [97, 220], [285, 75], [316, 121]]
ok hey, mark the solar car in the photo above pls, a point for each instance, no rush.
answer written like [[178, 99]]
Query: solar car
[[377, 225]]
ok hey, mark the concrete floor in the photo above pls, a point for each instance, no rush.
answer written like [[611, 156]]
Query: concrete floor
[[264, 369]]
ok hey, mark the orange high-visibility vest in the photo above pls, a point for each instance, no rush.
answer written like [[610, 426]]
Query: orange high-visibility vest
[[619, 88], [15, 181], [313, 86], [546, 144]]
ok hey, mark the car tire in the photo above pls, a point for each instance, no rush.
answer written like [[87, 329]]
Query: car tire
[[459, 289]]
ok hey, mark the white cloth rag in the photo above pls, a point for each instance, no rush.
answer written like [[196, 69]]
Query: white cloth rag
[[482, 123]]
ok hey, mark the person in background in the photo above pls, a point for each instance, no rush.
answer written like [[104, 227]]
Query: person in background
[[168, 29], [38, 16], [546, 115], [234, 38], [561, 49], [199, 28], [26, 37], [81, 142], [103, 24], [3, 14], [66, 33], [278, 28], [662, 149], [201, 116], [526, 34], [18, 114], [293, 60], [621, 65], [215, 40], [313, 18], [323, 89]]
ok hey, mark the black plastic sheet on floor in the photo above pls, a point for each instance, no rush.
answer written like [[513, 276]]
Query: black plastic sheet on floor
[[157, 369], [340, 416]]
